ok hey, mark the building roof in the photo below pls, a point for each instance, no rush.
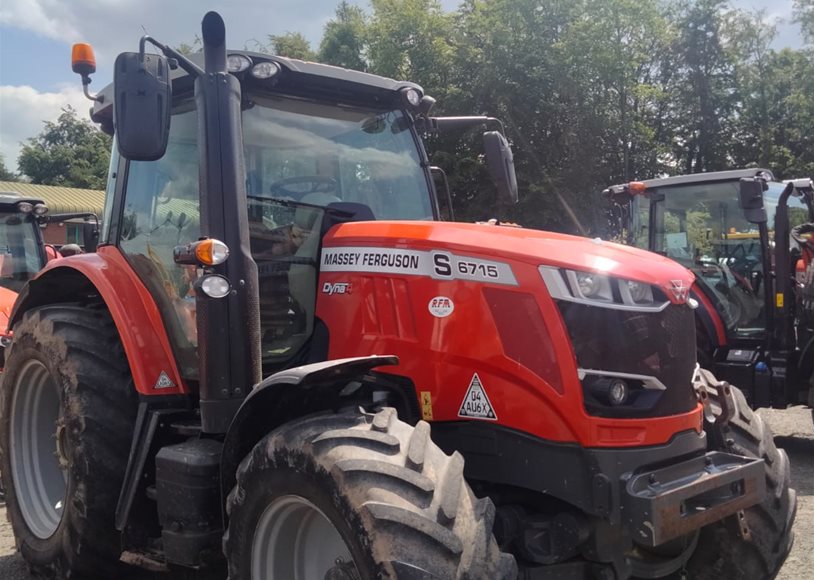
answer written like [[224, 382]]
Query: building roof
[[60, 199]]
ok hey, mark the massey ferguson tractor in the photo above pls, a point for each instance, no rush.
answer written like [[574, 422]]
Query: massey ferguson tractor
[[280, 365], [747, 239]]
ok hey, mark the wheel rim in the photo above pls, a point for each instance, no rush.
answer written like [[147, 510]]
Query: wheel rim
[[294, 540], [39, 481]]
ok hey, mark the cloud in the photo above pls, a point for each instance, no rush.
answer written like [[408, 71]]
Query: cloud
[[113, 26], [23, 110]]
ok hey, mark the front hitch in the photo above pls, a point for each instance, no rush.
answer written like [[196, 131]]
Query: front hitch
[[675, 500]]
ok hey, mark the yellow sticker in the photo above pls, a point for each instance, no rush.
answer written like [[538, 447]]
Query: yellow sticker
[[426, 405], [779, 300]]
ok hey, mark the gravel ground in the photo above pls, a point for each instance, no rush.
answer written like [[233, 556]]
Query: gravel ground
[[794, 432]]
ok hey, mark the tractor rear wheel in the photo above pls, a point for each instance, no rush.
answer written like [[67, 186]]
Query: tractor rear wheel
[[755, 542], [67, 412], [357, 496]]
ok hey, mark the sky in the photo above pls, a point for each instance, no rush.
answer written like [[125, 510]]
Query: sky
[[36, 81]]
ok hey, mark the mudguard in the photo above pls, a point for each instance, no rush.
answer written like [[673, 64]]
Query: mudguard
[[318, 387], [107, 274]]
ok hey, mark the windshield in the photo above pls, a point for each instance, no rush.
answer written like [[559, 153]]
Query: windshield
[[300, 157], [20, 257], [702, 226]]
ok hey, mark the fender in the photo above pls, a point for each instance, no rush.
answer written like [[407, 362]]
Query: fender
[[316, 387], [137, 318], [709, 317]]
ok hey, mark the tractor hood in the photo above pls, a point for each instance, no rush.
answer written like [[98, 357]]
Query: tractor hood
[[510, 244]]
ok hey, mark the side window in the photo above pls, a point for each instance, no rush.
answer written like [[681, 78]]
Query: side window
[[161, 211]]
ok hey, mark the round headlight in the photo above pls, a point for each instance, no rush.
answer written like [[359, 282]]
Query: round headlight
[[413, 97], [40, 209], [589, 284], [215, 286], [24, 207], [617, 392], [236, 63], [265, 70], [640, 292]]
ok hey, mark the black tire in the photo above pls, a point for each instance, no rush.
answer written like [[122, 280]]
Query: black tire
[[723, 551], [400, 504], [81, 351]]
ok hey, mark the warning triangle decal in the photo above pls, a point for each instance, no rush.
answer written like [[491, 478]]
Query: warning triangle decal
[[163, 382], [476, 403]]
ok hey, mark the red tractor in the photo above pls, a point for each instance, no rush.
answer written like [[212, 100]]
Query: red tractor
[[262, 370], [755, 324]]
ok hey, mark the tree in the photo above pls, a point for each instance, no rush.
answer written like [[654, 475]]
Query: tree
[[410, 40], [704, 88], [291, 45], [5, 173], [68, 152], [804, 14], [343, 41]]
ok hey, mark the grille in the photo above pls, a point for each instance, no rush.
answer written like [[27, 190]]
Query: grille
[[656, 344]]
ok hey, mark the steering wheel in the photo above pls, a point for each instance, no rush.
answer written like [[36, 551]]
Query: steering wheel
[[320, 184]]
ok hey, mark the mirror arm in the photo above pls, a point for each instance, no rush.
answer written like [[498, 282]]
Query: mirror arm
[[186, 64], [438, 124]]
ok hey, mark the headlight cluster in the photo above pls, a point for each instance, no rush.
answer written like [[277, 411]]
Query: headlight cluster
[[602, 290]]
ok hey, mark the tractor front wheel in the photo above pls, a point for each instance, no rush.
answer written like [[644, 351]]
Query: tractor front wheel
[[356, 496], [755, 542], [66, 418]]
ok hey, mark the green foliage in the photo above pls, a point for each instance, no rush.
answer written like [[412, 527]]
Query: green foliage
[[5, 173], [292, 45], [804, 14], [69, 152], [343, 42], [410, 39]]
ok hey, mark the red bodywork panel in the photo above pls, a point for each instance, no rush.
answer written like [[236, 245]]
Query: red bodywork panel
[[136, 316], [7, 299], [717, 323], [506, 330]]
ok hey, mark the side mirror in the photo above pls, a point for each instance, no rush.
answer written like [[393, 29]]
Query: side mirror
[[750, 198], [500, 160], [143, 97], [90, 236]]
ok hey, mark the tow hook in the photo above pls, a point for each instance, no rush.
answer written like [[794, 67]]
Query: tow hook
[[716, 396]]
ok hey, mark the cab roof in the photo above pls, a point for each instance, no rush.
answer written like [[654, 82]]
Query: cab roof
[[296, 78], [10, 199]]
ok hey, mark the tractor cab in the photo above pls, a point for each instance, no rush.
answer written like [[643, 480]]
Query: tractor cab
[[22, 253], [321, 146], [740, 246]]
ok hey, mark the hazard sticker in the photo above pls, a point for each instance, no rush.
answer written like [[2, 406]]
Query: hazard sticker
[[476, 404], [164, 381], [426, 405]]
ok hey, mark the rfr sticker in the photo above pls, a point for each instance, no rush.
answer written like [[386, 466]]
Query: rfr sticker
[[441, 306]]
